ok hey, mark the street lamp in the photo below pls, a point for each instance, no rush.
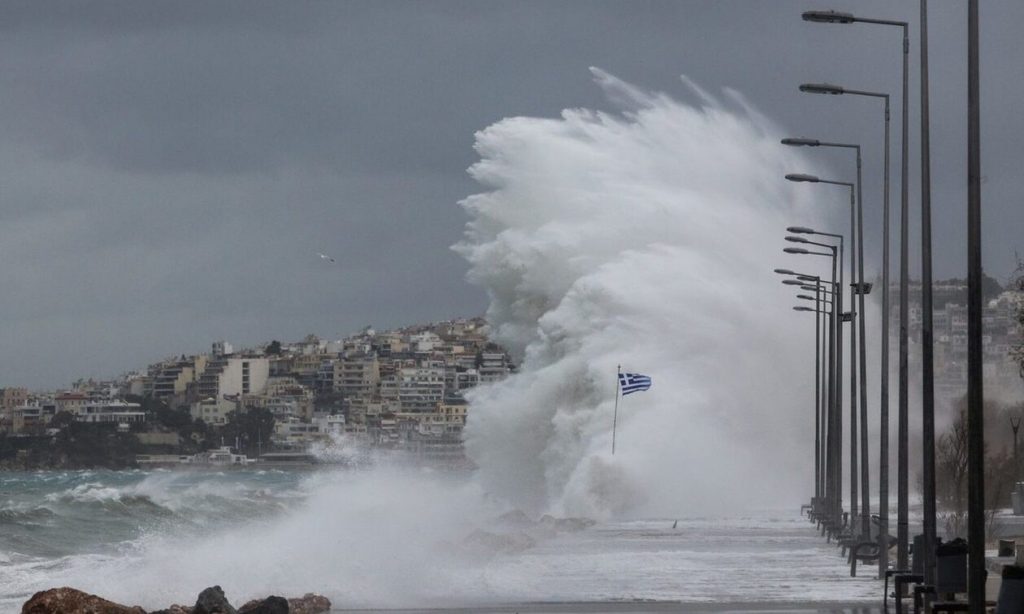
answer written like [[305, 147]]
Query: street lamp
[[818, 503], [834, 438], [975, 397], [859, 243], [883, 477], [902, 521], [828, 17], [822, 88], [857, 251]]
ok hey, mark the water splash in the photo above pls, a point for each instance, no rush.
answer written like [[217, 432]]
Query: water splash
[[644, 238]]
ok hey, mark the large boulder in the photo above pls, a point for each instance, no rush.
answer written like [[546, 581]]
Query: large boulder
[[270, 605], [310, 603], [213, 601], [67, 600]]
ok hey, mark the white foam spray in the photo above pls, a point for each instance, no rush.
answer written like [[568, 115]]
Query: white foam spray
[[645, 238]]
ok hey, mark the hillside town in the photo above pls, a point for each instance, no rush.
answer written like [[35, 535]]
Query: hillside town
[[1002, 332], [398, 390]]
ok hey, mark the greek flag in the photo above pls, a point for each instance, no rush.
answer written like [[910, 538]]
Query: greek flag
[[633, 382]]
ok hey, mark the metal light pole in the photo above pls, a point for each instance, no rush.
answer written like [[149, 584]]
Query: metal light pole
[[927, 336], [862, 289], [816, 502], [975, 396], [853, 361], [826, 325], [797, 177], [835, 420], [902, 506], [834, 424], [883, 443]]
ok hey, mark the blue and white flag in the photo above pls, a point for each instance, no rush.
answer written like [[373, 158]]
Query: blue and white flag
[[633, 382]]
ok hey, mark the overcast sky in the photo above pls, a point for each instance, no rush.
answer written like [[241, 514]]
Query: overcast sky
[[170, 170]]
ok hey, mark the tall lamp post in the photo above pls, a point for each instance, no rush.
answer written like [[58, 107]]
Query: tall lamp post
[[816, 501], [927, 325], [975, 397], [883, 439], [823, 432], [821, 287], [902, 506], [839, 374], [856, 255], [834, 439]]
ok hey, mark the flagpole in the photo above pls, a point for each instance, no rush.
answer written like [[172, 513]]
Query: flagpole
[[615, 416]]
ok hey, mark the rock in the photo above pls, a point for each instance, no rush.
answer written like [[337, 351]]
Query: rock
[[213, 601], [270, 605], [310, 603], [175, 609], [67, 600]]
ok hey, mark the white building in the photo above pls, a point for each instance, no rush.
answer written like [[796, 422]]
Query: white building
[[118, 412]]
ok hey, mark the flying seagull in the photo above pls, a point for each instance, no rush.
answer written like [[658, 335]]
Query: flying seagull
[[326, 257]]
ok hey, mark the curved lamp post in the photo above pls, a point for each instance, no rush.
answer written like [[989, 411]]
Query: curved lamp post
[[857, 250], [833, 443], [902, 522]]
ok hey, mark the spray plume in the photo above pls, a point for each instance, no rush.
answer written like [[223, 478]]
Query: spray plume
[[644, 238]]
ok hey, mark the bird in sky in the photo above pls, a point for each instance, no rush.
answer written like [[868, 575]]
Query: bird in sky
[[326, 257]]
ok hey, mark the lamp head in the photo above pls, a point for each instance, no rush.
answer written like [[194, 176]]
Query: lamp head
[[800, 177], [821, 88], [801, 230], [795, 250], [798, 142], [802, 308], [792, 282], [828, 17], [797, 240], [785, 272]]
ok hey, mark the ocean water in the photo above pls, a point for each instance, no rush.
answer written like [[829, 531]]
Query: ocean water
[[153, 538]]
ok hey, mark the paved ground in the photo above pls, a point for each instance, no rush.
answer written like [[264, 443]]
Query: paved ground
[[660, 607]]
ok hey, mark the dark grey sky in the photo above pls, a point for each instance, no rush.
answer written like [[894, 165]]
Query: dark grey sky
[[169, 170]]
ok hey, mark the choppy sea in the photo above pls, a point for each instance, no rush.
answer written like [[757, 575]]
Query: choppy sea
[[387, 539]]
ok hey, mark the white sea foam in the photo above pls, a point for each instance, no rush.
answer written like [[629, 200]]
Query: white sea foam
[[644, 239]]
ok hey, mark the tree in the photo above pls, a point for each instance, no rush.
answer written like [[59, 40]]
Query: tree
[[1017, 284], [274, 348], [951, 474], [62, 419], [251, 428]]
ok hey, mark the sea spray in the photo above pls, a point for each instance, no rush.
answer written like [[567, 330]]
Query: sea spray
[[388, 537], [646, 239]]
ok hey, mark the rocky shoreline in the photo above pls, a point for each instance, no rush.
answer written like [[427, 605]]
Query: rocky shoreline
[[66, 600]]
